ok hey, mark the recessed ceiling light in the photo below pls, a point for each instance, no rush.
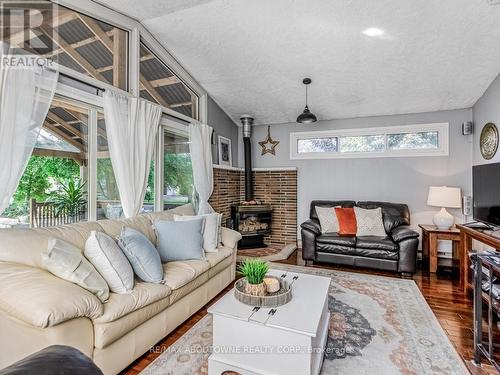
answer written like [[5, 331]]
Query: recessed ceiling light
[[373, 32]]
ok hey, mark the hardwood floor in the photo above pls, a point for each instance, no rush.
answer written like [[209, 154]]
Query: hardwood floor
[[442, 292]]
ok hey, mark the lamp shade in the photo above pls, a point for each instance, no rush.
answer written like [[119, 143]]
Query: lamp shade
[[444, 196]]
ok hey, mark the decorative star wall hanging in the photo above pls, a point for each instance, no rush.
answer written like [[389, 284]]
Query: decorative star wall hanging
[[268, 145]]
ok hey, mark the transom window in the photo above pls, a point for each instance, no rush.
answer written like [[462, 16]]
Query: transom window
[[160, 85], [409, 140], [71, 39]]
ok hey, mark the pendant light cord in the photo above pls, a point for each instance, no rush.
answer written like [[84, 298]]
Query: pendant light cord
[[306, 95]]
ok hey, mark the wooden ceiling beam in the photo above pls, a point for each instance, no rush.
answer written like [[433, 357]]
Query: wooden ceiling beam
[[83, 119], [73, 53], [60, 134], [65, 125], [79, 157], [167, 81]]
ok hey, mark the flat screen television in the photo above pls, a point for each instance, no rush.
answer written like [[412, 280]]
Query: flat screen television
[[486, 193]]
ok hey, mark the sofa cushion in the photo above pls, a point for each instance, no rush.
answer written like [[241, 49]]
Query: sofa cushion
[[211, 229], [75, 234], [142, 255], [336, 239], [67, 262], [140, 223], [376, 242], [222, 265], [222, 253], [313, 214], [186, 209], [106, 333], [347, 220], [41, 299], [180, 240], [394, 214], [179, 273], [142, 295], [107, 257], [369, 222], [327, 219], [357, 252]]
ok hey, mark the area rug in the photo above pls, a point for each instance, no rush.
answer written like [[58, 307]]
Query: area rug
[[270, 253], [379, 325]]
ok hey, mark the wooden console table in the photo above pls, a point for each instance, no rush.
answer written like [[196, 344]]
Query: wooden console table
[[466, 236], [430, 236]]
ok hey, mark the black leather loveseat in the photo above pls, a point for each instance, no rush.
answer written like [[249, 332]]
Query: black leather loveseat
[[395, 252]]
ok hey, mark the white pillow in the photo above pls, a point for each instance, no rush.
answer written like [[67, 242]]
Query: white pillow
[[107, 257], [211, 230], [369, 222], [67, 262], [327, 219]]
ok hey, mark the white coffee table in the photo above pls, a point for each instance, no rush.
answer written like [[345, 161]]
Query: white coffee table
[[289, 342]]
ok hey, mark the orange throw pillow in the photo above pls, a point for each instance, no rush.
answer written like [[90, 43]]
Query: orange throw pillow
[[347, 221]]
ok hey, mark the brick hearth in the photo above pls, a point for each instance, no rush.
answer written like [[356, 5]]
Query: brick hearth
[[277, 187]]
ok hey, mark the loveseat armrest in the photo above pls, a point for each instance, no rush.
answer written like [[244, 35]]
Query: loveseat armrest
[[312, 226], [402, 233], [230, 237], [41, 299]]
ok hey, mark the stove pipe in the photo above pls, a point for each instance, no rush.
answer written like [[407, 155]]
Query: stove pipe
[[247, 122]]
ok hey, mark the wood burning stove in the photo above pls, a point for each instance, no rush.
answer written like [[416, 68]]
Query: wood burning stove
[[253, 222], [250, 218]]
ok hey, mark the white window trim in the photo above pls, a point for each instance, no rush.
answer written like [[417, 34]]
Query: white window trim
[[441, 128]]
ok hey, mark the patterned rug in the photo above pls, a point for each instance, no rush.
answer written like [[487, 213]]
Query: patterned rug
[[379, 325], [270, 253]]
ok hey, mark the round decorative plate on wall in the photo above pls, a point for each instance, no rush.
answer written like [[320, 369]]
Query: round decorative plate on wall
[[488, 141]]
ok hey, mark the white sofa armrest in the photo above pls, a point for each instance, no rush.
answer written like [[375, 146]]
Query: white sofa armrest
[[230, 237], [41, 299]]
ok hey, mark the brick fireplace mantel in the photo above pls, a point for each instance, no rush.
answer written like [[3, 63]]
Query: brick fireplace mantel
[[274, 186]]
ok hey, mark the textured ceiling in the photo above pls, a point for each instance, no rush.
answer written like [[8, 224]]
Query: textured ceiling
[[251, 56]]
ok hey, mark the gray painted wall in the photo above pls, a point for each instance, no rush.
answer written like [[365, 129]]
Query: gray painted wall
[[223, 125], [487, 109], [403, 180]]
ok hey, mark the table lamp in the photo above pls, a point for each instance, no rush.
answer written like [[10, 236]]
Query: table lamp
[[444, 197]]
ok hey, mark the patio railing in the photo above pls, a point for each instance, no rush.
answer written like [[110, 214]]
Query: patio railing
[[44, 215]]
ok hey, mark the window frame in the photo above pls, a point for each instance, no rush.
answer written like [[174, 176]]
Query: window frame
[[136, 32], [441, 128]]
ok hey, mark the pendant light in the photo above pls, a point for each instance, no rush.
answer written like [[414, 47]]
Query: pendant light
[[306, 117]]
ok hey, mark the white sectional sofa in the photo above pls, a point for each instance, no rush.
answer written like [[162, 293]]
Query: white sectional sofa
[[38, 309]]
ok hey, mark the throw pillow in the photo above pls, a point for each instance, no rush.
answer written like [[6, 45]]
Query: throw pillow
[[327, 219], [142, 255], [211, 229], [106, 256], [180, 240], [370, 222], [347, 221], [67, 262]]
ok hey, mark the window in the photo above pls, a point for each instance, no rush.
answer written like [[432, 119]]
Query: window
[[409, 140], [53, 188], [71, 39], [413, 141], [108, 197], [178, 187], [160, 85]]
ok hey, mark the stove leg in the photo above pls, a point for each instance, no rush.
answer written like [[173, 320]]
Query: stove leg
[[309, 262]]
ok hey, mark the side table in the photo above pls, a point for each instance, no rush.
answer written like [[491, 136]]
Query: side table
[[430, 236]]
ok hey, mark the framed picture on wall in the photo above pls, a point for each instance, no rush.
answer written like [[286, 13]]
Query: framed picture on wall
[[225, 154]]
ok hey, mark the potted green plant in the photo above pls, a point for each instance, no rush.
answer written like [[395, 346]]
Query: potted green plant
[[70, 200], [254, 271]]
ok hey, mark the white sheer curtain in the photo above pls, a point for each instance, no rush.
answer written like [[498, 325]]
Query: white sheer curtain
[[25, 97], [131, 125], [200, 147]]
